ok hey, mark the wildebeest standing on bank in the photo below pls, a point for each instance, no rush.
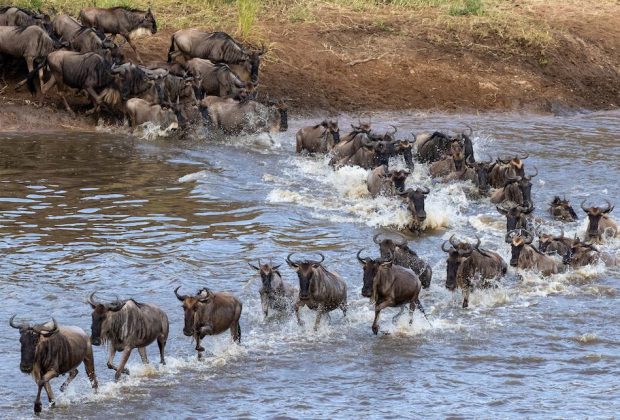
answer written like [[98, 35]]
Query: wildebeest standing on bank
[[85, 39], [320, 138], [126, 325], [90, 72], [389, 286], [319, 289], [275, 293], [48, 352], [219, 47], [31, 43], [217, 79], [16, 16], [129, 23], [210, 313], [600, 225]]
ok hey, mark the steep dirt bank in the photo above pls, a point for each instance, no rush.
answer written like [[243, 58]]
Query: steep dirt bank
[[534, 56]]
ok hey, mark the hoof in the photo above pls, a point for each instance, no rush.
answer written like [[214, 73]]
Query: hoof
[[200, 348], [63, 387], [465, 304], [125, 371], [52, 404], [375, 329], [37, 407]]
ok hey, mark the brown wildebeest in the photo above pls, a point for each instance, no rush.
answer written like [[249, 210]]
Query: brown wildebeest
[[556, 245], [382, 181], [126, 325], [583, 253], [389, 286], [560, 209], [476, 172], [319, 289], [507, 167], [217, 79], [517, 189], [516, 215], [50, 351], [366, 156], [16, 16], [600, 225], [275, 293], [219, 47], [84, 39], [28, 42], [467, 263], [320, 138], [436, 146], [527, 257], [405, 257], [349, 144], [210, 313], [454, 162], [248, 117], [140, 111], [415, 204], [129, 23]]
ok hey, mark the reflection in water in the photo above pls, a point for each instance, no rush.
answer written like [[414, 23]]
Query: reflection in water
[[127, 217]]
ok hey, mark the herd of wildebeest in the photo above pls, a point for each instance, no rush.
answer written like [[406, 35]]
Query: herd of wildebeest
[[217, 74]]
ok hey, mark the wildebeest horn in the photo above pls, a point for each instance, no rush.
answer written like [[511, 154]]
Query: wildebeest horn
[[415, 138], [501, 209], [609, 208], [478, 242], [528, 237], [508, 237], [423, 190], [91, 300], [443, 247], [584, 208], [374, 238], [180, 297], [360, 259], [532, 176], [39, 328], [523, 156], [289, 261], [322, 258], [20, 326], [395, 129], [452, 239]]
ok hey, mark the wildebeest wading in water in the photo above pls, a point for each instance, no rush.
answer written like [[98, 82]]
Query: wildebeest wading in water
[[275, 293]]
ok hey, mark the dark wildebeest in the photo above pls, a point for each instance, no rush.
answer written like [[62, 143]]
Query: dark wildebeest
[[140, 111], [583, 253], [135, 82], [527, 257], [405, 257], [388, 146], [131, 24], [415, 204], [89, 72], [126, 325], [454, 162], [506, 167], [28, 42], [436, 146], [217, 79], [468, 263], [319, 289], [600, 225], [50, 351], [248, 117], [210, 313], [556, 245], [382, 181], [350, 143], [389, 286], [275, 293], [16, 16], [320, 138], [560, 209], [219, 47], [476, 172], [516, 215], [84, 39], [367, 156], [517, 189]]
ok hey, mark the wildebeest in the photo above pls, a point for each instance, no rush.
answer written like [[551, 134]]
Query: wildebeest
[[516, 215], [560, 209], [84, 39], [319, 289], [320, 138], [16, 16], [436, 146], [135, 82], [477, 173], [556, 245], [583, 253], [600, 225], [507, 167], [366, 156], [350, 143], [389, 286], [275, 293], [210, 313], [415, 204], [527, 257], [219, 47], [517, 189], [48, 351], [131, 24], [140, 111], [28, 42], [249, 117], [454, 162], [217, 79], [467, 263], [406, 257], [126, 325], [89, 72], [383, 181]]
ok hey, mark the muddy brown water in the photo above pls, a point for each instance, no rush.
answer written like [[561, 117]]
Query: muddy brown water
[[131, 217]]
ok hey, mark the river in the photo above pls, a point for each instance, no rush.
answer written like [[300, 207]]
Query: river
[[130, 217]]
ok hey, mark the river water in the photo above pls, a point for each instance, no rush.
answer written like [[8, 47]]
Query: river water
[[132, 217]]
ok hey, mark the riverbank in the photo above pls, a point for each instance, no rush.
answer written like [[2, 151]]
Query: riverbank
[[328, 57]]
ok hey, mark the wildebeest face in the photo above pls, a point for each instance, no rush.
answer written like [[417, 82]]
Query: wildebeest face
[[28, 340], [98, 316], [482, 174], [526, 190], [283, 109], [334, 130], [594, 217], [266, 271], [370, 268], [516, 248], [452, 266], [544, 241], [253, 64], [399, 178], [415, 203], [562, 210], [305, 272], [149, 22], [190, 304]]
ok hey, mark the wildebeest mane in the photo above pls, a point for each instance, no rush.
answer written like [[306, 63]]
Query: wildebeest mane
[[52, 350], [126, 323], [231, 51], [20, 29], [128, 9]]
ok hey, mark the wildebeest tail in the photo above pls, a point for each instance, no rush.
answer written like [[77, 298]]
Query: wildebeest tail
[[31, 76], [171, 49]]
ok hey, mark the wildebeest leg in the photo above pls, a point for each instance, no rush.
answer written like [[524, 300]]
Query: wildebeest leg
[[298, 305], [161, 343], [142, 351], [72, 375], [89, 364], [130, 42], [30, 65], [412, 306], [199, 348], [96, 100], [50, 394], [319, 314], [378, 309], [343, 308], [396, 317], [43, 382], [121, 365], [466, 289], [111, 353], [235, 331]]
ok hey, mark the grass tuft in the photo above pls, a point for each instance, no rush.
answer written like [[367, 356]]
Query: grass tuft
[[247, 9], [467, 8]]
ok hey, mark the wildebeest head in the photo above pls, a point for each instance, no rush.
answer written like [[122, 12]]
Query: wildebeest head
[[515, 214], [332, 128], [149, 22], [415, 202], [594, 218], [370, 268], [305, 271], [458, 157], [190, 305], [518, 239], [482, 169], [457, 252], [561, 209], [526, 186], [29, 339], [516, 164], [254, 59], [99, 315], [387, 246], [266, 271], [360, 128]]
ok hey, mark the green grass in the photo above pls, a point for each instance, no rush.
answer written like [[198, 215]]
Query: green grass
[[467, 8], [247, 10]]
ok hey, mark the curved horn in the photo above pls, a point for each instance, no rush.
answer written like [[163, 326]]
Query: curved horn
[[360, 259], [39, 329], [532, 176], [395, 129], [609, 208], [176, 293], [584, 208], [501, 210], [12, 324], [322, 258], [478, 242], [523, 156], [289, 261], [91, 300], [452, 243], [374, 238], [443, 247]]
